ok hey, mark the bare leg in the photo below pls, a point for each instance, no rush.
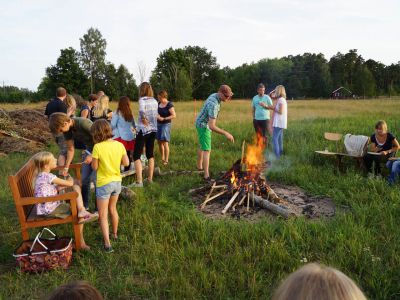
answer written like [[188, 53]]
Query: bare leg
[[206, 163], [112, 207], [138, 168], [151, 169], [84, 246], [79, 202], [166, 151], [161, 148], [199, 159], [102, 206]]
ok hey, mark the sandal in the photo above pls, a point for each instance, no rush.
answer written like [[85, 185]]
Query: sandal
[[164, 162], [88, 218]]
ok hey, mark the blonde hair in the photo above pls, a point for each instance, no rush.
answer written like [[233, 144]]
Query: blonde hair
[[381, 124], [101, 106], [145, 90], [71, 104], [57, 121], [280, 91], [40, 160], [314, 281]]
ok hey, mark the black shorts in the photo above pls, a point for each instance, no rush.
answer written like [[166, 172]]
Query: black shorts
[[142, 141], [261, 126]]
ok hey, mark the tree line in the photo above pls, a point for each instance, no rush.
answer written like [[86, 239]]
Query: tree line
[[192, 72]]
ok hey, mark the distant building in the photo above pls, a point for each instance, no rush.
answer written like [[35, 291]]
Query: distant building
[[342, 93]]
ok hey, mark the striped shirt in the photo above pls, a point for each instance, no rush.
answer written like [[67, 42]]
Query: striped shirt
[[148, 108], [210, 110]]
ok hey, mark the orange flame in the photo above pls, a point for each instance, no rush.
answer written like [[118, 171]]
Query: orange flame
[[233, 179], [255, 152]]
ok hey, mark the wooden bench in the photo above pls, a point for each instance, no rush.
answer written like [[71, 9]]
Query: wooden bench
[[21, 185], [339, 154]]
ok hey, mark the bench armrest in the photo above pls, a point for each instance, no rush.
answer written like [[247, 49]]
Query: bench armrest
[[70, 196]]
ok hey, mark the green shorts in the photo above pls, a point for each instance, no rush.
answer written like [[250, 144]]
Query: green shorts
[[204, 138]]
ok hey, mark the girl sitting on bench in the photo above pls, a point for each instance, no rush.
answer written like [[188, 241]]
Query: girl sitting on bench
[[47, 184]]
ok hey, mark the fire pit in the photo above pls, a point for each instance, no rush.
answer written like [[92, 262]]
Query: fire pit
[[243, 191]]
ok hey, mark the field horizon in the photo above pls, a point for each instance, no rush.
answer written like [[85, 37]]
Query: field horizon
[[168, 250]]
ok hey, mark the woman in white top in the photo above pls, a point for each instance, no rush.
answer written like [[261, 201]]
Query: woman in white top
[[280, 120], [146, 132]]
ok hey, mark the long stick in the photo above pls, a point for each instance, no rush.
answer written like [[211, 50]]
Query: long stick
[[243, 145], [211, 190], [242, 200], [230, 202], [212, 198], [239, 203], [248, 200]]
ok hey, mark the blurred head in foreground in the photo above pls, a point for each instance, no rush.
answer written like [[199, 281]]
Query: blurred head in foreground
[[79, 290], [314, 282]]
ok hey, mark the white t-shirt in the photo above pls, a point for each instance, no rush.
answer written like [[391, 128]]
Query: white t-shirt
[[280, 120]]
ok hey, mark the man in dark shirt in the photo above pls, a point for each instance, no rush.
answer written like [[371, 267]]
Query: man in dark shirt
[[57, 104], [76, 129]]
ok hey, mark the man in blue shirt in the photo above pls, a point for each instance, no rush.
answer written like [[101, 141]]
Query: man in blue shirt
[[206, 122], [261, 105]]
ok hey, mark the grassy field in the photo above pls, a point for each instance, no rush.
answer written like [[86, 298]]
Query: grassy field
[[168, 250]]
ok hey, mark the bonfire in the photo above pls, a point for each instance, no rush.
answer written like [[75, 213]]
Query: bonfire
[[244, 186]]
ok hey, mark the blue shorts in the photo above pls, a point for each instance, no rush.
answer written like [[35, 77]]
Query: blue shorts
[[164, 132], [110, 189]]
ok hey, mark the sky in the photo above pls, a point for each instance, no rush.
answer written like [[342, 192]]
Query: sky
[[32, 33]]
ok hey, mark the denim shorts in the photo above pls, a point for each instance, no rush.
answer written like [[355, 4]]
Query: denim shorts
[[110, 189], [164, 132]]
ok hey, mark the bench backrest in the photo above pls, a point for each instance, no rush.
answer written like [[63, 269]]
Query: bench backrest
[[21, 184], [333, 136]]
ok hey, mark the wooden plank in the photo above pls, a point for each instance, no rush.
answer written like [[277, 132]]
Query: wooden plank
[[128, 173]]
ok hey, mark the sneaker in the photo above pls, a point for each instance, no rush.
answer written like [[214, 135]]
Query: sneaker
[[208, 180], [108, 249], [136, 185]]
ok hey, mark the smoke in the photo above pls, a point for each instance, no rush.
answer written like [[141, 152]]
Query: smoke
[[275, 164]]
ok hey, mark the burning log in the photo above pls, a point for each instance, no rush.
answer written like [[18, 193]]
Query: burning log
[[273, 207]]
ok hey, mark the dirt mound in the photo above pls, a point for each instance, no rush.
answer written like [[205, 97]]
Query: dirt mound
[[24, 130]]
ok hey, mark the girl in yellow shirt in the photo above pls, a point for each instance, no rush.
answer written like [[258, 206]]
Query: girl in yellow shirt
[[108, 155]]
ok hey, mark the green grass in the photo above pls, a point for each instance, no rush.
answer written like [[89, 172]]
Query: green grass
[[168, 250]]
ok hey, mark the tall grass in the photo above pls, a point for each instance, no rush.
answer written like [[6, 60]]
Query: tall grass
[[169, 250]]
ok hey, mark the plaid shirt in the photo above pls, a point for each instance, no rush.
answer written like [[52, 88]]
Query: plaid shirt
[[210, 110], [148, 108]]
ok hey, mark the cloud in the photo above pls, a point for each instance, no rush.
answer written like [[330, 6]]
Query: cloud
[[33, 32]]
